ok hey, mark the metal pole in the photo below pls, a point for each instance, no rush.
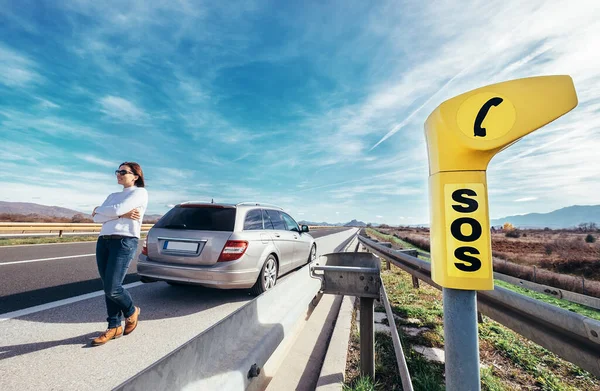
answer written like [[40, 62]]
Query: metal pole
[[400, 359], [367, 338], [461, 340]]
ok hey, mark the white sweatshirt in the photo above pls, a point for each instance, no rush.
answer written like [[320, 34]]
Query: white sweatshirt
[[118, 204]]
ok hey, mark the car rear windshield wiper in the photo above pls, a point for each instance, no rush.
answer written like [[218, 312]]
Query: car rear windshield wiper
[[180, 226]]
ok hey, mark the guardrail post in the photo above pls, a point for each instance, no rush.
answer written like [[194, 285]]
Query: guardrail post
[[60, 233], [367, 338], [415, 281], [461, 340]]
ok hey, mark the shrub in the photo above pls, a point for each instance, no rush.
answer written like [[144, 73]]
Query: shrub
[[508, 227], [513, 233], [590, 238]]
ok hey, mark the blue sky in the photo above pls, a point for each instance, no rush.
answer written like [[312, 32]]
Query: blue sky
[[317, 106]]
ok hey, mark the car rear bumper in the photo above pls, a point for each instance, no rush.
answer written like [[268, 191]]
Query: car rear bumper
[[213, 277]]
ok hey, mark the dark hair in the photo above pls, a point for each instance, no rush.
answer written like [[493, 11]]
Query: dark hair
[[137, 170]]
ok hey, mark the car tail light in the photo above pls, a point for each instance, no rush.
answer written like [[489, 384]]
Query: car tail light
[[145, 247], [234, 249]]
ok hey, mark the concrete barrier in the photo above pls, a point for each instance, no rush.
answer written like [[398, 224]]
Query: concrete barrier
[[229, 355]]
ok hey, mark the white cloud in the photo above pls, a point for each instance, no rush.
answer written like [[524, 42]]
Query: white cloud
[[16, 70], [46, 104], [526, 199], [96, 160], [121, 109]]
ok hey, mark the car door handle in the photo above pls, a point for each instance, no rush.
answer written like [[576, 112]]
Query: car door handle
[[277, 235], [295, 237]]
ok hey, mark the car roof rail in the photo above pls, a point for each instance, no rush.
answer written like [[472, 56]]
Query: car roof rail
[[204, 203], [258, 204], [194, 202]]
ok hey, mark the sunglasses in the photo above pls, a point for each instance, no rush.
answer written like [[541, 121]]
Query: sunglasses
[[123, 172]]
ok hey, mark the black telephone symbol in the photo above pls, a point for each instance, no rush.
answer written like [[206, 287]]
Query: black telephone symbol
[[479, 131]]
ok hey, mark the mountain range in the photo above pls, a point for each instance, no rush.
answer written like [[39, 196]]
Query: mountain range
[[568, 217], [353, 223], [25, 208]]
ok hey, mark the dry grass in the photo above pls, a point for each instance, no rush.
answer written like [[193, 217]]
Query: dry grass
[[562, 259]]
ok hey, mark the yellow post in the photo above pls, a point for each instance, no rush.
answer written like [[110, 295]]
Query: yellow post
[[463, 134]]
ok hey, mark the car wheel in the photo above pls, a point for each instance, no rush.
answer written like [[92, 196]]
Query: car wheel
[[313, 254], [267, 277]]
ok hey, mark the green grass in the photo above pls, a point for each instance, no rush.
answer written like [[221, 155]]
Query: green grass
[[490, 382], [514, 362], [361, 384], [49, 240], [392, 239], [547, 370], [564, 304]]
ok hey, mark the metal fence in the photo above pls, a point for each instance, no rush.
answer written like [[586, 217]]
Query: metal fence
[[8, 230], [15, 230], [574, 337]]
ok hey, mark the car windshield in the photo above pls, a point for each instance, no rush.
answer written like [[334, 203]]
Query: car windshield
[[199, 218]]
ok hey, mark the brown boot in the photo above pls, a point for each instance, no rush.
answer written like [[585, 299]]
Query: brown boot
[[106, 336], [132, 321]]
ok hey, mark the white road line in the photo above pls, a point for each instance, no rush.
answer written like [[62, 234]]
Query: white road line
[[47, 306], [46, 259], [45, 244]]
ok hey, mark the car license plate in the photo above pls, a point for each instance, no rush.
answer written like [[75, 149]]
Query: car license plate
[[181, 246]]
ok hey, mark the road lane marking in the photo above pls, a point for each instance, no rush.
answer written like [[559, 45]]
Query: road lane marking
[[45, 244], [54, 304], [47, 259]]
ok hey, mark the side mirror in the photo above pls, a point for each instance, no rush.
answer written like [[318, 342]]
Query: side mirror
[[305, 228]]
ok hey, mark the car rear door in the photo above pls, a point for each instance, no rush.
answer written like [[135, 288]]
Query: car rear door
[[283, 240]]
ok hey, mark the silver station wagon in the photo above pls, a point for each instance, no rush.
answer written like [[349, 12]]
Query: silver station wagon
[[245, 245]]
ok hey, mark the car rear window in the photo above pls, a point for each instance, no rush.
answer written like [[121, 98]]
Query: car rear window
[[198, 218], [253, 220]]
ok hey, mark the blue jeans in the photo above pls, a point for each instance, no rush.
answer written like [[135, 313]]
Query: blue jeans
[[113, 257]]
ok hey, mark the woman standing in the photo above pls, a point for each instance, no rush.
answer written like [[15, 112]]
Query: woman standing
[[121, 216]]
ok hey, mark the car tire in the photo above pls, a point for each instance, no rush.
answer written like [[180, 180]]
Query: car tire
[[312, 256], [267, 277]]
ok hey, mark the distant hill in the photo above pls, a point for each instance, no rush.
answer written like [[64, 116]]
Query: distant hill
[[322, 224], [25, 208], [568, 217], [353, 223]]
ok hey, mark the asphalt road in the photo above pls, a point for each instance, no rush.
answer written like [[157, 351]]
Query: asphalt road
[[48, 347], [39, 278]]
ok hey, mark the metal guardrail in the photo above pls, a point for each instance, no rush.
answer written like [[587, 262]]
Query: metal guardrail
[[15, 230], [573, 297], [10, 229], [563, 294], [574, 337]]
